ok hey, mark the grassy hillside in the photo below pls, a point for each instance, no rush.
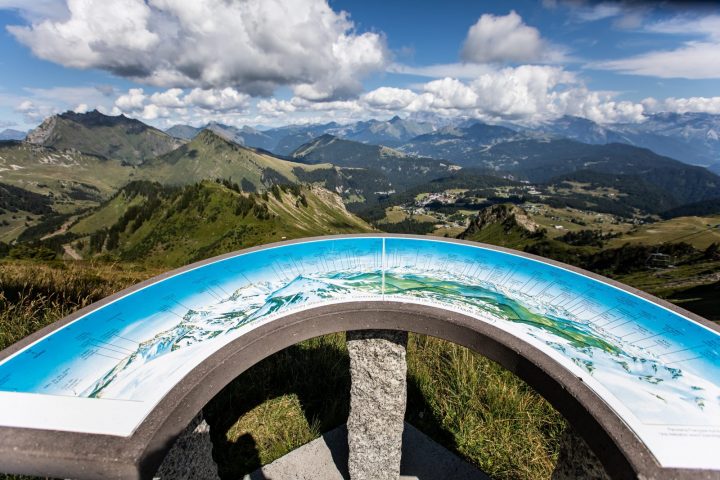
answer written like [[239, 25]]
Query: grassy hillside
[[68, 175], [607, 192], [540, 161], [175, 226], [63, 182], [112, 137], [209, 155], [69, 182]]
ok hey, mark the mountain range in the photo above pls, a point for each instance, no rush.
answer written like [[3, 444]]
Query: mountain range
[[284, 140], [12, 134], [78, 160], [692, 138], [400, 169], [111, 137]]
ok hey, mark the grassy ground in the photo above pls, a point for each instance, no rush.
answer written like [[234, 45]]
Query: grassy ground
[[696, 231], [695, 287], [481, 411]]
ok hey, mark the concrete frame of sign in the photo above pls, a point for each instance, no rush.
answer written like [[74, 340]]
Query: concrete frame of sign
[[80, 455]]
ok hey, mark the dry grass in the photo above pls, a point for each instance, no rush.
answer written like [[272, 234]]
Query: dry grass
[[481, 411], [33, 294]]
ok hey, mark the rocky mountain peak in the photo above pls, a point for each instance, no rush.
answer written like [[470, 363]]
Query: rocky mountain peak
[[508, 215]]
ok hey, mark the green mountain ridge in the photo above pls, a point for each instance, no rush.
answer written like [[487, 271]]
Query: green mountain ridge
[[74, 181], [177, 225], [210, 155]]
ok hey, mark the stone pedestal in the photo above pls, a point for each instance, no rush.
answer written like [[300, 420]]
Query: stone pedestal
[[378, 396], [190, 458], [576, 460]]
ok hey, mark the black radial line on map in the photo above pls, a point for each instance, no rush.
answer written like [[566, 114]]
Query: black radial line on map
[[110, 356], [277, 274], [620, 325], [246, 278], [679, 351], [572, 297], [219, 286], [647, 338], [634, 332], [508, 276], [209, 291], [126, 338], [110, 346], [180, 303], [167, 309], [382, 268], [603, 313], [684, 360], [522, 287]]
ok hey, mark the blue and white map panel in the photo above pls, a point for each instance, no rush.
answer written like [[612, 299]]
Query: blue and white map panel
[[104, 372]]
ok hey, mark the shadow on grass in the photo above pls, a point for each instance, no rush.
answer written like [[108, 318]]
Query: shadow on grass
[[703, 300], [316, 371], [420, 415]]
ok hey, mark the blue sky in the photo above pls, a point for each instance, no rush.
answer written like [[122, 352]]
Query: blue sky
[[274, 62]]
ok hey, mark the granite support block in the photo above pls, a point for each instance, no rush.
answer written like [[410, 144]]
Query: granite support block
[[190, 457], [378, 396]]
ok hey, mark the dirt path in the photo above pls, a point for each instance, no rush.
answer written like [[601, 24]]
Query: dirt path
[[71, 252], [63, 228]]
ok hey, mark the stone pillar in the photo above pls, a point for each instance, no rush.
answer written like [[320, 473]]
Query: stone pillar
[[190, 458], [576, 460], [378, 396]]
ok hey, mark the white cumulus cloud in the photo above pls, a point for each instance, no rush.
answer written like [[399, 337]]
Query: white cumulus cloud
[[33, 112], [390, 98], [506, 38], [252, 46], [274, 107], [176, 101], [525, 94], [450, 93]]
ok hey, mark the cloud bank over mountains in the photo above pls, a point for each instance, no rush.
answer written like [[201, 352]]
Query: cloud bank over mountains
[[283, 61]]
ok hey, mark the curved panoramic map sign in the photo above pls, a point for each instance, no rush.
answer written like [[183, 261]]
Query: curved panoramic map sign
[[105, 371]]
